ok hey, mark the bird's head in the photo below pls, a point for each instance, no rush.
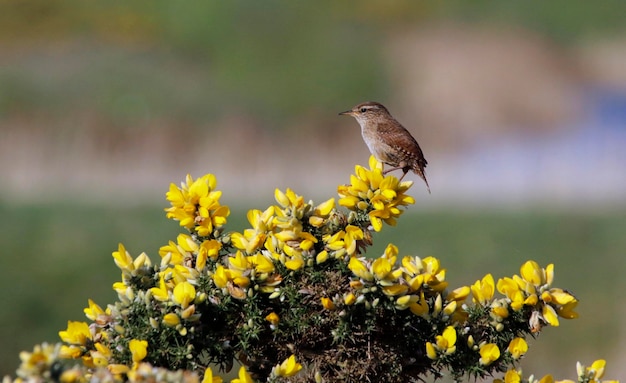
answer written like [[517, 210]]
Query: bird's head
[[367, 111]]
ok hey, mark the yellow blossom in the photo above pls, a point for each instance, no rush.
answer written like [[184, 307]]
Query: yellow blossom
[[288, 368], [72, 375], [220, 277], [381, 268], [446, 342], [296, 262], [510, 288], [482, 291], [77, 333], [101, 355], [550, 315], [420, 307], [596, 370], [360, 269], [349, 299], [122, 258], [273, 318], [459, 294], [118, 369], [532, 273], [431, 352], [93, 311], [327, 303], [517, 348], [567, 310], [262, 263], [184, 294], [321, 257], [160, 293], [196, 204], [209, 378], [379, 197], [138, 349], [244, 377], [489, 353], [43, 355], [511, 376], [171, 319]]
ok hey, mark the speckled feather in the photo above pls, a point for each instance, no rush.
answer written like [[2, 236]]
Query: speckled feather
[[388, 140]]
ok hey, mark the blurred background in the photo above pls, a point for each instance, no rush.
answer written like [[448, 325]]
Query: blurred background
[[520, 108]]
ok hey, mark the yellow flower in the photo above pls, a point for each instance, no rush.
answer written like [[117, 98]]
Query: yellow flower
[[209, 378], [518, 347], [321, 213], [550, 315], [72, 375], [431, 352], [446, 342], [43, 356], [296, 262], [381, 268], [489, 353], [289, 200], [252, 239], [138, 349], [459, 294], [160, 293], [566, 311], [349, 299], [77, 333], [221, 276], [532, 273], [118, 369], [171, 319], [499, 308], [184, 294], [273, 318], [420, 307], [352, 235], [379, 197], [94, 311], [510, 288], [482, 291], [101, 355], [288, 368], [321, 257], [359, 267], [327, 303], [196, 204], [262, 264], [596, 370], [244, 377], [511, 376], [534, 289], [122, 258]]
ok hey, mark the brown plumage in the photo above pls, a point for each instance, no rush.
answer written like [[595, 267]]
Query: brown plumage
[[388, 140]]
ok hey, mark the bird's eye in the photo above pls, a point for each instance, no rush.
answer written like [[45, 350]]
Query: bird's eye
[[363, 110]]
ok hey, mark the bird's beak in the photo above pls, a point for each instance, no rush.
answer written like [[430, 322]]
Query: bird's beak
[[347, 113]]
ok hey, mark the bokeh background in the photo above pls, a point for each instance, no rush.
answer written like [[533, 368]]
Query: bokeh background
[[520, 108]]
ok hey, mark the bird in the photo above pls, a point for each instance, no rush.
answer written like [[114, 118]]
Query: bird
[[388, 140]]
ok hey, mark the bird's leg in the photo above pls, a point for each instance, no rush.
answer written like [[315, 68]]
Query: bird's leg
[[392, 169], [403, 174]]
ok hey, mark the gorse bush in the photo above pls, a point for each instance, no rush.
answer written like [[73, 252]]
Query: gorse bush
[[292, 299]]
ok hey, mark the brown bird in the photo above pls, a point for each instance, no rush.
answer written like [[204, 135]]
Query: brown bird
[[388, 140]]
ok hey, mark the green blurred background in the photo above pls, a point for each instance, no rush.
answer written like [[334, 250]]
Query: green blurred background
[[520, 108]]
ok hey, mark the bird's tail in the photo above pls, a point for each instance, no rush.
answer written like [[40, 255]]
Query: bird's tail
[[420, 172]]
